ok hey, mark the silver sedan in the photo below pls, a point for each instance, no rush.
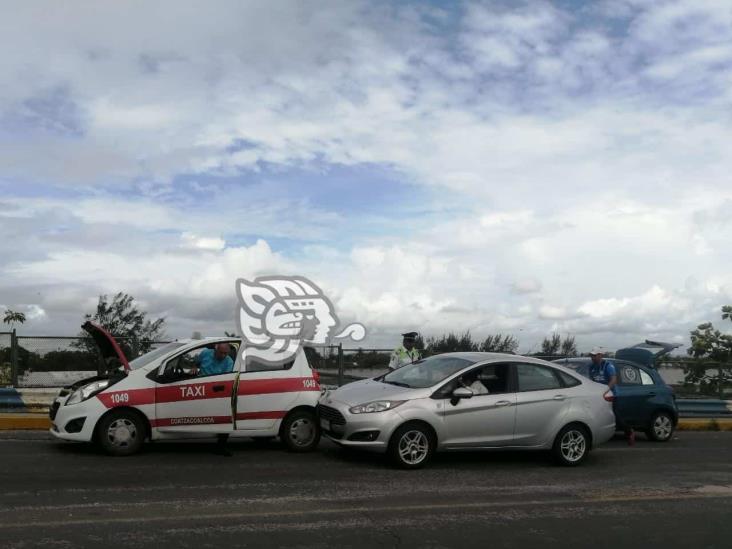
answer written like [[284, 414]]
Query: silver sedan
[[460, 401]]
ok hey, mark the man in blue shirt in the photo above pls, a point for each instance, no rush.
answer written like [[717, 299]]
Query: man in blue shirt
[[603, 371], [211, 362], [215, 361]]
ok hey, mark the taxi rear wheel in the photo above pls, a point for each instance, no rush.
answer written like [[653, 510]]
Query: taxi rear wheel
[[121, 433], [300, 431]]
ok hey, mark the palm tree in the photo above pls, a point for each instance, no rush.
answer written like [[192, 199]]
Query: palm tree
[[11, 317]]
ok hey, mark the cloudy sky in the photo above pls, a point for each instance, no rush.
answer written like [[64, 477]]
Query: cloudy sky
[[492, 167]]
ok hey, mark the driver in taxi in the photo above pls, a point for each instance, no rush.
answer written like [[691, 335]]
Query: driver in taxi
[[211, 362]]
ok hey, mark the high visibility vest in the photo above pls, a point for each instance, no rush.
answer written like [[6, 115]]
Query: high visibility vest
[[401, 356]]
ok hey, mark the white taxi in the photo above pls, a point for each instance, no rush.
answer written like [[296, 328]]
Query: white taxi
[[163, 395]]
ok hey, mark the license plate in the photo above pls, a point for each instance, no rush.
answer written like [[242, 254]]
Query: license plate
[[325, 424]]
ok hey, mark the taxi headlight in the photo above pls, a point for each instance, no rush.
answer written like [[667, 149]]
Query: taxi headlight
[[376, 406], [87, 391]]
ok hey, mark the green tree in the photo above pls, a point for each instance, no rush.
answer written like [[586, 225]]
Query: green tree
[[122, 318], [568, 347], [710, 344], [554, 345], [551, 345], [13, 317], [499, 343], [451, 343]]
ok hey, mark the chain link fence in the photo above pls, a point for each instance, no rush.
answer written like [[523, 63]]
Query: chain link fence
[[6, 359], [51, 361]]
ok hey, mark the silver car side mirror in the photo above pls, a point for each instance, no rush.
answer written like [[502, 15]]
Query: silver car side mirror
[[462, 392]]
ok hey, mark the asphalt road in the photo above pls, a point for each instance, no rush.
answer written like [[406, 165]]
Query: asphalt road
[[56, 494]]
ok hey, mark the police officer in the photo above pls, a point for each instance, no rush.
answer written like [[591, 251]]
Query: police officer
[[406, 353]]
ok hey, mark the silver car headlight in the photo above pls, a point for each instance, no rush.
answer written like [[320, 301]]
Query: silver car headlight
[[87, 391], [376, 406]]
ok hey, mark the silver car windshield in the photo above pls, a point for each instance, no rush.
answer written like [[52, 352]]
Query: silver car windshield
[[427, 372], [147, 358]]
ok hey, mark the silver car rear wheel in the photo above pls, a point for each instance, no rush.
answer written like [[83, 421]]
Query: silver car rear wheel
[[571, 445]]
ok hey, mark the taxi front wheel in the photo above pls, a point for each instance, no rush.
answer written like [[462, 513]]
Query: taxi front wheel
[[300, 431], [121, 433]]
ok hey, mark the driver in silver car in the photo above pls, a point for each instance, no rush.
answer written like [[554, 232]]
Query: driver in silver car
[[470, 381]]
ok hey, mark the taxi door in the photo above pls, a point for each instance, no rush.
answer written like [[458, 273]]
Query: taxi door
[[264, 394], [187, 403]]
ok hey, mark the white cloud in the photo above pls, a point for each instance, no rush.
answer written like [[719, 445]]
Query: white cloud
[[193, 242], [573, 175]]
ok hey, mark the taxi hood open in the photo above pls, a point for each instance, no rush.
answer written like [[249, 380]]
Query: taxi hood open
[[646, 353], [111, 353]]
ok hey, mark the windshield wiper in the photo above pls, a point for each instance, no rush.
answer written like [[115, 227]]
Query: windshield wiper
[[397, 383]]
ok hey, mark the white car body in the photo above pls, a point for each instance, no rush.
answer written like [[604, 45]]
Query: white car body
[[240, 403]]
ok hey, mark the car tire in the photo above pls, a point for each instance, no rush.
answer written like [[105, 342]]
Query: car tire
[[121, 433], [661, 428], [572, 445], [411, 446], [300, 431]]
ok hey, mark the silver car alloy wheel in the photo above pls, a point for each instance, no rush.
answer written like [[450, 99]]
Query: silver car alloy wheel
[[122, 433], [662, 427], [413, 447], [302, 432], [573, 445]]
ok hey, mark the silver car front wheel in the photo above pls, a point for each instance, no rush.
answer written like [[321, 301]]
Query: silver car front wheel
[[411, 446]]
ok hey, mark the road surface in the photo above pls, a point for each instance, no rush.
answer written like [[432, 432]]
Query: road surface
[[181, 495]]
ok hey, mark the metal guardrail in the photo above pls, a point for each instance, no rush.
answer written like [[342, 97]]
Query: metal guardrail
[[691, 407]]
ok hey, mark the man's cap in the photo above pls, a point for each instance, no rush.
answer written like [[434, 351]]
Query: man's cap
[[597, 351], [410, 335]]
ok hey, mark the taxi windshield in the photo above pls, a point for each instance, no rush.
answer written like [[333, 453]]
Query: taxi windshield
[[147, 358], [427, 372]]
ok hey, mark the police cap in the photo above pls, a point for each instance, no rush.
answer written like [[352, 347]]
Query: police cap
[[410, 335]]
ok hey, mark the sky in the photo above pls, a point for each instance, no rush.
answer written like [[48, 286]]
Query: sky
[[512, 167]]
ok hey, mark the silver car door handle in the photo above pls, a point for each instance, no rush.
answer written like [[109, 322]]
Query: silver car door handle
[[503, 403], [560, 397]]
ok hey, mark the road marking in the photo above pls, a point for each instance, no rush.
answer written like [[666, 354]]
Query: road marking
[[723, 494]]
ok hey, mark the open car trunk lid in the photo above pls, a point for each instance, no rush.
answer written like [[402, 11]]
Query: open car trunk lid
[[111, 353], [646, 353]]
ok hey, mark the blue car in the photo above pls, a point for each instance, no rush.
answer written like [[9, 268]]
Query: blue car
[[644, 400]]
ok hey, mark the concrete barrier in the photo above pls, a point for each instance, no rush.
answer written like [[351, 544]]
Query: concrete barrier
[[26, 400]]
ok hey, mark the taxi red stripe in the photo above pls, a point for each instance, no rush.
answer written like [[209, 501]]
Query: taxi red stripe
[[193, 391], [274, 414], [205, 390], [270, 386], [129, 397]]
